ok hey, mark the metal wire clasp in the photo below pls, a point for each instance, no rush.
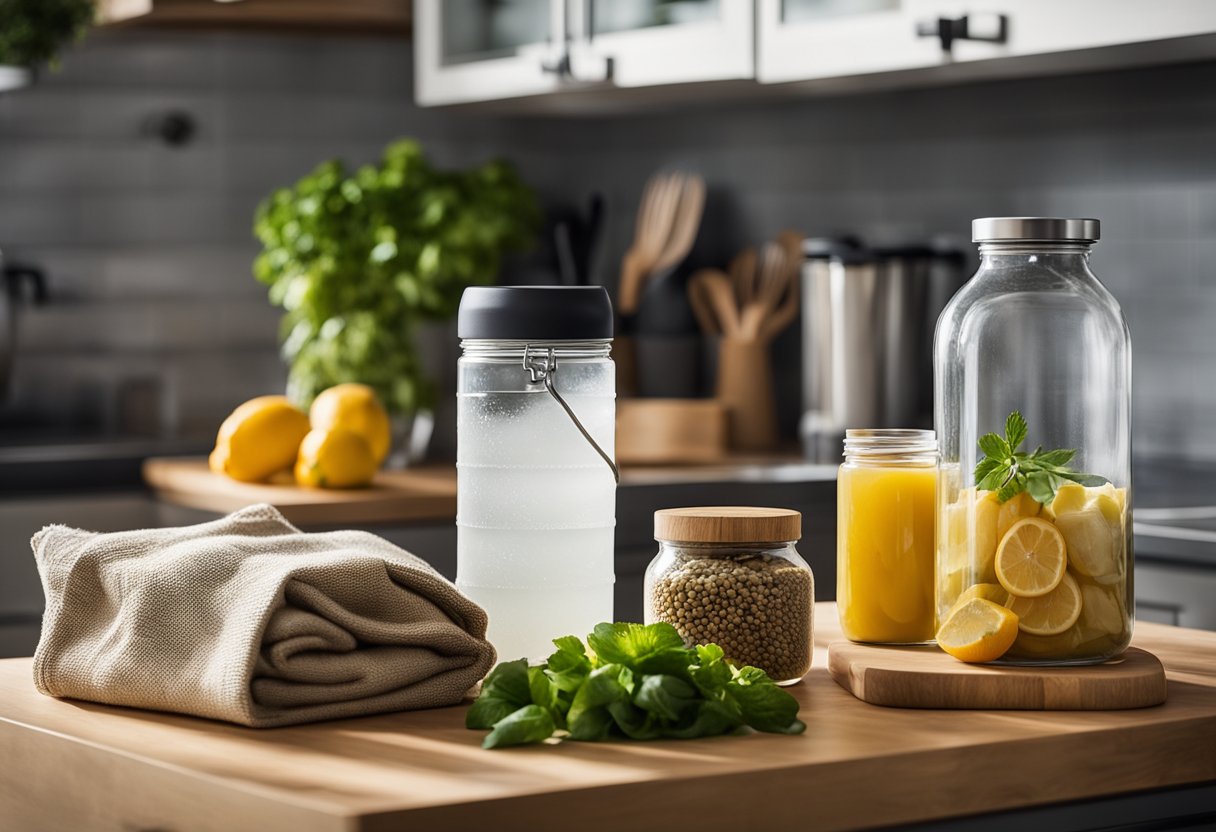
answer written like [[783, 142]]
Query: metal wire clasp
[[542, 368]]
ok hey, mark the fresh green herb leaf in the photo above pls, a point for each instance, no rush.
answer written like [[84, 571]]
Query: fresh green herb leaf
[[642, 683], [665, 696], [712, 673], [994, 447], [594, 725], [529, 724], [1015, 430], [504, 691], [763, 705], [1053, 459], [603, 686], [1008, 471], [634, 722], [629, 644], [711, 718]]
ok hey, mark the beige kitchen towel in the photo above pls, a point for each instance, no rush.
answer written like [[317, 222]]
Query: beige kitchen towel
[[248, 619]]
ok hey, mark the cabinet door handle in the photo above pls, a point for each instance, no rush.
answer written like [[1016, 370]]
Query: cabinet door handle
[[989, 28]]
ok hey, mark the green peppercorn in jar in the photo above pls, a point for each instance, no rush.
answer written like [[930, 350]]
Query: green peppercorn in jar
[[731, 576]]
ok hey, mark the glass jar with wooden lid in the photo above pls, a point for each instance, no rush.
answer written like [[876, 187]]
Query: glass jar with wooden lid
[[731, 576]]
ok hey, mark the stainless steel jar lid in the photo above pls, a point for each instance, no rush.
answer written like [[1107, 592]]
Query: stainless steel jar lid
[[1035, 229]]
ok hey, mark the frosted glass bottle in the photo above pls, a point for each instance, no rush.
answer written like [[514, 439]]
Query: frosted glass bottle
[[1034, 331], [536, 498]]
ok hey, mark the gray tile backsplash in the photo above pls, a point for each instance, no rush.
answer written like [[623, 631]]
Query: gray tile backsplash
[[148, 247]]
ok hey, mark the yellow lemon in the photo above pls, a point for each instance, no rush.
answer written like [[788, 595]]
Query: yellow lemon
[[1017, 507], [989, 592], [1050, 614], [1031, 559], [335, 458], [1095, 547], [356, 408], [971, 536], [1069, 497], [259, 438], [978, 630], [1119, 495], [1101, 612]]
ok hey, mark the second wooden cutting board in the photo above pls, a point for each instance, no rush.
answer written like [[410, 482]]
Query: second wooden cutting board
[[925, 677]]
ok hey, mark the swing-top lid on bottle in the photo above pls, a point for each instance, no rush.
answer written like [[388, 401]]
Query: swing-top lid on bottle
[[535, 313]]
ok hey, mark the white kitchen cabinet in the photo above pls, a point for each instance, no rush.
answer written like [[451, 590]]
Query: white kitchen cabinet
[[1042, 27], [488, 50], [811, 40], [804, 40]]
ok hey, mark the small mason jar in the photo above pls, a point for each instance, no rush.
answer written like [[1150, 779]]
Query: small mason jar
[[732, 576], [536, 482], [885, 550], [1035, 346]]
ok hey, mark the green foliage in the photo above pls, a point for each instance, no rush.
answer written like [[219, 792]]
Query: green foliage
[[357, 260], [639, 682], [33, 31], [1008, 471]]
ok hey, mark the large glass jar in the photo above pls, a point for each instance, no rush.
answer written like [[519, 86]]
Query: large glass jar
[[536, 485], [730, 575], [885, 553], [1043, 527]]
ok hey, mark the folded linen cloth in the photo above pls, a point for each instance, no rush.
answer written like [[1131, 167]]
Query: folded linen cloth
[[249, 620]]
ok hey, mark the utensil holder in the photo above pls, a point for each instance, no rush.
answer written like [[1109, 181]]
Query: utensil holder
[[745, 388]]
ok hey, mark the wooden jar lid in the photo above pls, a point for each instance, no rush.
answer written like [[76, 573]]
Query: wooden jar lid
[[727, 524]]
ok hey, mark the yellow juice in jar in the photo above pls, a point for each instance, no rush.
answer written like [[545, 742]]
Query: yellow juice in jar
[[886, 551]]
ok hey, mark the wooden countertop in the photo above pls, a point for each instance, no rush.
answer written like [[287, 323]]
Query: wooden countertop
[[426, 494], [74, 765], [414, 495]]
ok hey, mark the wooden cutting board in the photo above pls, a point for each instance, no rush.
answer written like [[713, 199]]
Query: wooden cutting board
[[413, 495], [925, 677]]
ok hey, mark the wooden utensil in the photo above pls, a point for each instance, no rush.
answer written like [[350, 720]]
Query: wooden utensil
[[655, 220], [711, 290], [702, 304], [765, 288], [684, 228]]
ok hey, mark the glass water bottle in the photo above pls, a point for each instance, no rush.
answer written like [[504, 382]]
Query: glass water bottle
[[536, 482], [1032, 400]]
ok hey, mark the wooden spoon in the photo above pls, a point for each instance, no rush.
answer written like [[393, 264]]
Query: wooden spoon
[[715, 288], [684, 228], [656, 217]]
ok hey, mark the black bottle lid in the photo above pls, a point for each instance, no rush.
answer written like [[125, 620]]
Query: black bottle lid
[[535, 313]]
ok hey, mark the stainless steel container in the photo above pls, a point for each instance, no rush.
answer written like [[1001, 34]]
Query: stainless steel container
[[867, 334]]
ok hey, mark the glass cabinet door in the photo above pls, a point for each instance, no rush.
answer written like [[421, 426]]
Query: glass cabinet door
[[800, 40], [483, 50], [651, 42]]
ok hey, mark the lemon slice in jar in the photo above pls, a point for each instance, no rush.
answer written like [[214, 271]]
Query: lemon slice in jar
[[1095, 547], [1031, 558], [1069, 497], [1050, 614]]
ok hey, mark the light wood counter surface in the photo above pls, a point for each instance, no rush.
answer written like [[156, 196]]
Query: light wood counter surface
[[75, 765]]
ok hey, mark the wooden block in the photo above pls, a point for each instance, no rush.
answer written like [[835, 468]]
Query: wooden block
[[925, 677], [666, 431]]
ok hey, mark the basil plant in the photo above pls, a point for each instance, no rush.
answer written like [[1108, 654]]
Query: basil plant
[[358, 260]]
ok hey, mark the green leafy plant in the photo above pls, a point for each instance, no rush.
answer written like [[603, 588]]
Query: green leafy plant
[[1008, 471], [640, 682], [33, 31], [358, 260]]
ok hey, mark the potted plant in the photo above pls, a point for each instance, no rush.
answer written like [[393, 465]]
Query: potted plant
[[33, 31], [358, 260]]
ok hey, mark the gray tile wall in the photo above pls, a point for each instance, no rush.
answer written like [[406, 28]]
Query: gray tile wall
[[149, 247]]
